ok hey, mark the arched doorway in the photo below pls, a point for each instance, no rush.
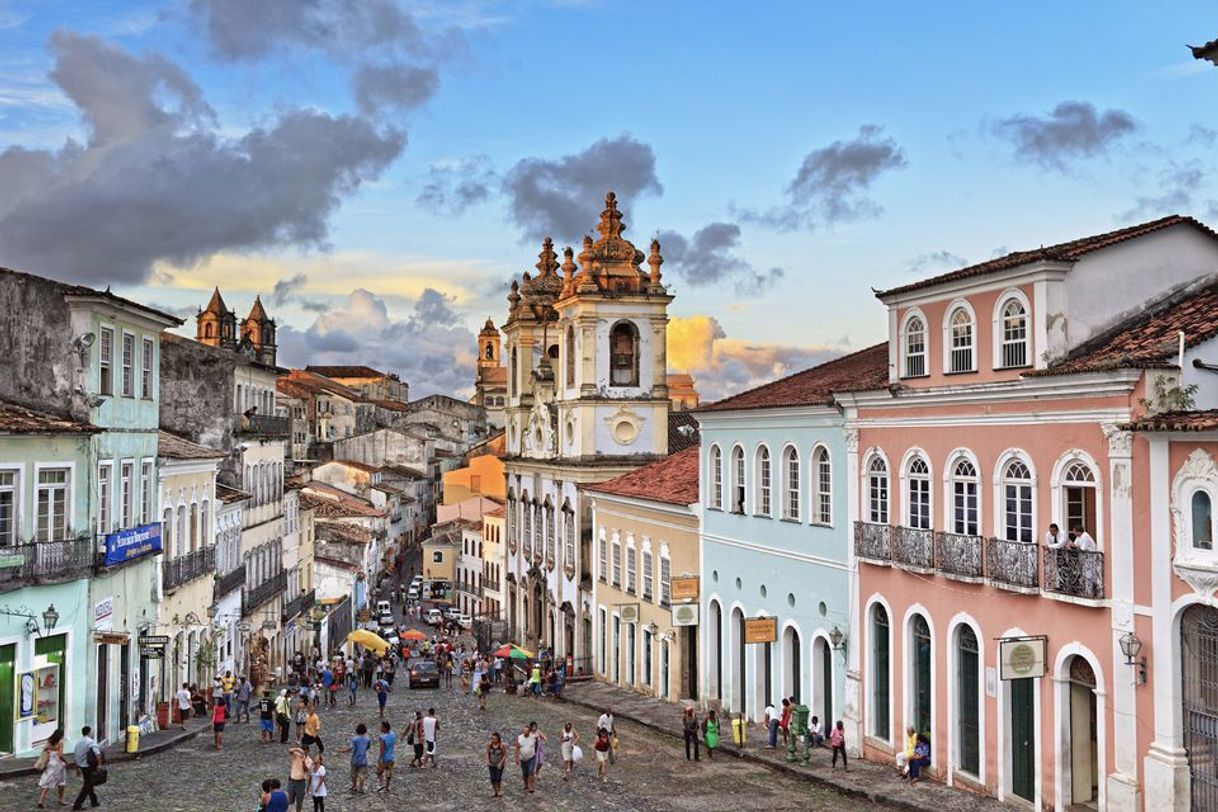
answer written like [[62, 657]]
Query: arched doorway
[[740, 676], [1084, 741], [792, 684], [715, 655], [822, 682], [568, 623], [919, 665], [1199, 675]]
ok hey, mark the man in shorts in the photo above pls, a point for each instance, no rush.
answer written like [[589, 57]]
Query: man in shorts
[[384, 764], [183, 698], [359, 757], [415, 737], [266, 718], [526, 756], [298, 777], [431, 726]]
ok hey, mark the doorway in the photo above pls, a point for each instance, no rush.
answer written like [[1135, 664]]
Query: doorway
[[1199, 665], [1084, 745], [742, 666], [617, 649], [822, 690], [8, 690], [102, 728], [1023, 737], [689, 662], [716, 651], [921, 678]]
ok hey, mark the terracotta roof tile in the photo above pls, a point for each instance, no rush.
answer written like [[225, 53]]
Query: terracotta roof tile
[[326, 500], [392, 405], [173, 447], [16, 419], [1206, 420], [862, 370], [673, 479], [1062, 252], [359, 466], [682, 431], [313, 383], [229, 495], [357, 371], [1151, 338]]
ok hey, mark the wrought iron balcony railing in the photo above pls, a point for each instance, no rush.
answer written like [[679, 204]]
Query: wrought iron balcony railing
[[914, 548], [229, 582], [959, 556], [1079, 573], [264, 425], [873, 541], [259, 595], [177, 571], [1012, 564], [301, 603], [46, 562]]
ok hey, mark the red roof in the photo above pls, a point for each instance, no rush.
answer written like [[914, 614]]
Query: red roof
[[173, 447], [359, 371], [862, 370], [673, 479], [1062, 252], [1151, 339], [16, 419], [1206, 420]]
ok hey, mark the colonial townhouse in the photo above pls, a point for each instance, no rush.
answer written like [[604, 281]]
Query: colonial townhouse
[[1002, 554], [301, 597], [493, 526], [587, 401], [646, 526], [375, 485], [371, 383], [332, 411], [225, 645], [462, 522], [775, 565]]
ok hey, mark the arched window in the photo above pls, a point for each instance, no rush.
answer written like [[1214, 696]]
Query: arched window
[[1079, 493], [762, 507], [877, 490], [915, 347], [537, 538], [738, 480], [961, 335], [715, 459], [1203, 521], [880, 690], [568, 516], [790, 485], [570, 356], [1014, 334], [207, 331], [965, 486], [1017, 502], [822, 486], [526, 531], [490, 351], [917, 485], [920, 677], [624, 355], [968, 699], [550, 532]]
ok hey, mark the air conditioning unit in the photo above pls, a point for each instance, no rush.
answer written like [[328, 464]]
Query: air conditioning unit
[[630, 614]]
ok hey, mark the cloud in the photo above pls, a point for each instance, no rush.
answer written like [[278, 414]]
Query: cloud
[[935, 260], [1073, 130], [723, 366], [709, 258], [431, 348], [290, 289], [1179, 184], [563, 197], [452, 187], [156, 181], [396, 86], [832, 182]]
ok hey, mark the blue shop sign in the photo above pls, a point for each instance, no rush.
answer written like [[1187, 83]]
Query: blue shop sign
[[126, 545]]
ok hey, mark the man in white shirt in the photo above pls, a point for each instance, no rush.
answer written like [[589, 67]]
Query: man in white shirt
[[430, 726], [84, 746], [770, 720], [1083, 540], [183, 697], [606, 722], [1054, 539], [526, 756]]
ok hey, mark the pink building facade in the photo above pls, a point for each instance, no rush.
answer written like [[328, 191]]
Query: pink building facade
[[1033, 390]]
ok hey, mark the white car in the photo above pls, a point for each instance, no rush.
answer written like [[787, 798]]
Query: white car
[[465, 621], [384, 608], [435, 617], [451, 613], [390, 636], [413, 594]]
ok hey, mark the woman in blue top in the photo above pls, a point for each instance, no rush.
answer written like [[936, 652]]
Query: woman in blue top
[[274, 799]]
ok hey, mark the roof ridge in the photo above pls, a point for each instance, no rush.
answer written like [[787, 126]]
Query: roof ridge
[[718, 404]]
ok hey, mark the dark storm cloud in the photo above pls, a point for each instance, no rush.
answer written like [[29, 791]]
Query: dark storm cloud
[[396, 86], [1073, 130], [935, 261], [709, 258], [832, 182], [563, 197], [451, 188], [157, 180]]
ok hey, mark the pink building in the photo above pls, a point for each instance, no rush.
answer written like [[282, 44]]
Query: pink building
[[1019, 398]]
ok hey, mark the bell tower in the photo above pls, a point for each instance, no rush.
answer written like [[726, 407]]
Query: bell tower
[[258, 333], [216, 325], [489, 346]]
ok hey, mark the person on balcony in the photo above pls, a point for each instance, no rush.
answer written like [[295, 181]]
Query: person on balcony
[[1083, 540], [1054, 539]]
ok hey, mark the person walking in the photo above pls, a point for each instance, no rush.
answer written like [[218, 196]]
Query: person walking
[[317, 784], [431, 726], [535, 679], [89, 760], [273, 798], [227, 684], [710, 733], [302, 716], [382, 695], [570, 738], [769, 721], [359, 757], [245, 690], [352, 687], [283, 709], [298, 776], [541, 751], [526, 756], [689, 724], [496, 760], [54, 769], [837, 740], [602, 748], [784, 719], [606, 721], [266, 718], [415, 737], [183, 701], [219, 715], [312, 732], [484, 688], [384, 763]]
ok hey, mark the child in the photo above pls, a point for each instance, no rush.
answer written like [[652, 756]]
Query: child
[[317, 784], [218, 716]]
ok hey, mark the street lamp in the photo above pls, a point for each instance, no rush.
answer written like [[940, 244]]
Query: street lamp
[[1131, 646], [50, 617], [838, 638], [211, 612]]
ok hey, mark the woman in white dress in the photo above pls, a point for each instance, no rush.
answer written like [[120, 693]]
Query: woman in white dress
[[569, 739], [55, 772]]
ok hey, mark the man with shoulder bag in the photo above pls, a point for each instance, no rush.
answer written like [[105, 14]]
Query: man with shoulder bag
[[90, 761]]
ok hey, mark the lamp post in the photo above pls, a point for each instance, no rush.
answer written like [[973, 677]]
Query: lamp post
[[839, 639], [1131, 646]]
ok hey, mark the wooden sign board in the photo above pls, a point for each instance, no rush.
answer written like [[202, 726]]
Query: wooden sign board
[[760, 629], [685, 589]]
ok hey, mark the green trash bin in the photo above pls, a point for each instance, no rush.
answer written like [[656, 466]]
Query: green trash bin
[[798, 733]]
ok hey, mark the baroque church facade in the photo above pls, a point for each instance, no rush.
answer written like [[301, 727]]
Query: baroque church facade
[[587, 401]]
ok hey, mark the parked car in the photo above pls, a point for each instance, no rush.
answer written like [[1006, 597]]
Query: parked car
[[424, 673], [435, 617], [451, 613], [465, 621], [413, 594], [385, 618], [390, 636], [383, 608]]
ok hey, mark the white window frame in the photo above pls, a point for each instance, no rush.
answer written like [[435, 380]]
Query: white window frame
[[998, 329], [615, 547], [632, 569], [147, 490], [715, 462], [127, 364], [126, 493], [105, 497], [763, 502], [822, 485], [105, 361], [603, 556], [665, 577], [951, 479], [17, 473], [907, 490], [738, 482], [874, 509], [906, 372], [1000, 484], [948, 339], [69, 487], [147, 365], [648, 592], [791, 473]]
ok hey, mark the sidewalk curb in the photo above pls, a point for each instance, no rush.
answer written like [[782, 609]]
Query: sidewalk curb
[[119, 757], [879, 798]]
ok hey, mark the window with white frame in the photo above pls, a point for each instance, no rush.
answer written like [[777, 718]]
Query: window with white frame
[[737, 480], [105, 497], [822, 486], [9, 498], [764, 483], [961, 334], [877, 490], [54, 485], [915, 347], [790, 485], [631, 569], [126, 492], [167, 534], [1014, 334], [1201, 511], [1079, 495], [537, 538], [526, 535], [603, 557], [617, 561], [205, 524], [917, 484], [105, 362], [568, 536], [549, 515], [128, 365], [715, 460], [147, 483], [965, 486], [1017, 502], [648, 575], [146, 369], [665, 580]]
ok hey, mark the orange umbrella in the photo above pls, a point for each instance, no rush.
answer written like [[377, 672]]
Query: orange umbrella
[[414, 634]]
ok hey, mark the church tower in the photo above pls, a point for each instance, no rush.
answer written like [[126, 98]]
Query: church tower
[[489, 346], [490, 384], [258, 333], [216, 326]]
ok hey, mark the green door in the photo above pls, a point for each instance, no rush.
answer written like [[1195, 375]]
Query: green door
[[54, 649], [1023, 739], [8, 689]]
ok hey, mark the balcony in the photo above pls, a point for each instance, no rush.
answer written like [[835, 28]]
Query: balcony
[[298, 605], [264, 425], [177, 571], [1012, 564], [914, 548], [264, 592], [959, 556], [1077, 573], [229, 582], [873, 541], [46, 562]]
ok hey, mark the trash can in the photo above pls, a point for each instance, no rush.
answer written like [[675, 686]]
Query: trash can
[[133, 738], [799, 721], [738, 731]]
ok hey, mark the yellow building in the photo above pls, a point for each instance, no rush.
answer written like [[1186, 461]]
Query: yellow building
[[646, 531], [483, 476], [440, 553]]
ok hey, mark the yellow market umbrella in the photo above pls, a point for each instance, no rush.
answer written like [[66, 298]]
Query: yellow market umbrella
[[370, 640]]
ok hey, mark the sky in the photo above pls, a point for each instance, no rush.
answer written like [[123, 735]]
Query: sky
[[379, 170]]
